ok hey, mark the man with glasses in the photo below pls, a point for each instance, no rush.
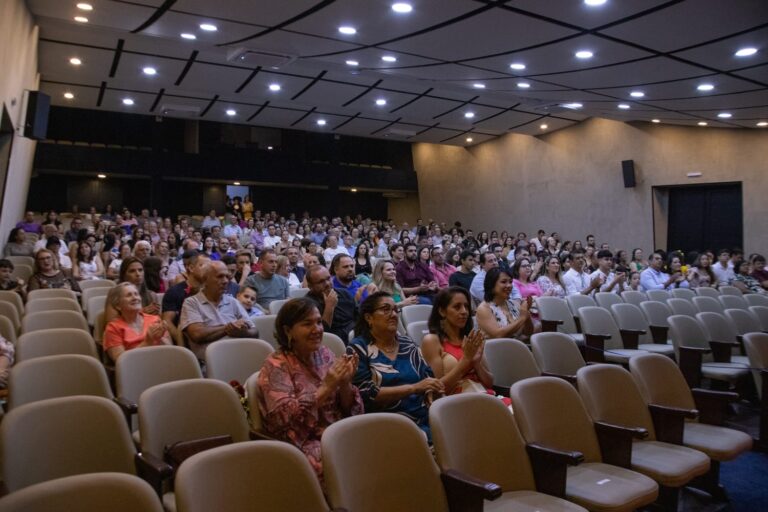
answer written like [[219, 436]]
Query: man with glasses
[[465, 274], [336, 305], [653, 278], [440, 269]]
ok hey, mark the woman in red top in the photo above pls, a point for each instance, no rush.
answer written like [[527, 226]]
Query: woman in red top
[[132, 328]]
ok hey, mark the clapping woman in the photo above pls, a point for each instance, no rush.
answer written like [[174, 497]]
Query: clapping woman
[[131, 328]]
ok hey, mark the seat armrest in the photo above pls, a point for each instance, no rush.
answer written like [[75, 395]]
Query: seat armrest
[[153, 470], [255, 435], [690, 359], [550, 467], [595, 347], [740, 341], [129, 408], [721, 350], [713, 405], [616, 442], [550, 325], [630, 338], [465, 493], [660, 334], [568, 378], [669, 422]]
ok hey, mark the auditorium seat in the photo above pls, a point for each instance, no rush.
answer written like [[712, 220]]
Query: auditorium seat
[[9, 311], [705, 304], [7, 330], [509, 361], [683, 293], [53, 304], [415, 313], [334, 343], [657, 313], [756, 299], [761, 312], [95, 283], [90, 293], [730, 290], [604, 340], [555, 315], [557, 355], [706, 291], [576, 302], [51, 342], [629, 319], [15, 299], [50, 293], [53, 320], [275, 305], [296, 293], [607, 299], [417, 330], [683, 307], [634, 297], [658, 295], [733, 302], [745, 321], [266, 327], [721, 329], [236, 358]]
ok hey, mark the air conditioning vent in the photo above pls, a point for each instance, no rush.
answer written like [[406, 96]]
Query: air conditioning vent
[[263, 58]]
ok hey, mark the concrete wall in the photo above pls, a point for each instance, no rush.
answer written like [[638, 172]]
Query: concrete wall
[[18, 62], [570, 180]]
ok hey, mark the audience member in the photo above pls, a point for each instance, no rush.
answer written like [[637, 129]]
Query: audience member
[[654, 278], [9, 283], [701, 274], [610, 281], [675, 268], [576, 279], [7, 358], [173, 300], [758, 270], [336, 305], [247, 297], [87, 265], [131, 327], [48, 275], [29, 224], [723, 269], [414, 277], [551, 280], [363, 264], [284, 269], [441, 270], [17, 244], [267, 283], [465, 274], [500, 315], [744, 281]]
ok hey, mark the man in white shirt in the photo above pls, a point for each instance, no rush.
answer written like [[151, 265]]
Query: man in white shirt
[[653, 278], [271, 239], [211, 220], [723, 268], [487, 262], [233, 228], [610, 281], [576, 280], [333, 249]]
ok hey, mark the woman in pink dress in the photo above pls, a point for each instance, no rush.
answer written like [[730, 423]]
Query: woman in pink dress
[[522, 272]]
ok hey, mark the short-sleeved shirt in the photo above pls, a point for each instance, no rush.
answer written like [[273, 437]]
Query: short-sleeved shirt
[[118, 332], [408, 277], [462, 279], [174, 298], [268, 290], [198, 309]]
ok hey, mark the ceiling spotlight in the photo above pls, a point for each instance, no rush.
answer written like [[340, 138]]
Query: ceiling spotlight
[[402, 7], [637, 94], [725, 115], [353, 190], [572, 106], [352, 63], [236, 183], [348, 31], [321, 122], [381, 102], [189, 36], [128, 101], [84, 7], [208, 27], [469, 115], [705, 87], [544, 127], [469, 139], [274, 87], [623, 106], [702, 123], [75, 61], [69, 96], [478, 86], [523, 85], [149, 71], [101, 176], [584, 54], [518, 66], [762, 124], [231, 112], [389, 58], [81, 19], [655, 120], [270, 148], [745, 52], [594, 3]]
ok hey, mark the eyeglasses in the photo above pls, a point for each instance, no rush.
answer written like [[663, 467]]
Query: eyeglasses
[[387, 309]]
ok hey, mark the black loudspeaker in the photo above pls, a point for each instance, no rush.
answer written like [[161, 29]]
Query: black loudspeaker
[[36, 122], [628, 169]]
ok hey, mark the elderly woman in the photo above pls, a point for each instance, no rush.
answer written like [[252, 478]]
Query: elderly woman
[[48, 275], [284, 269], [131, 327], [303, 388], [132, 271], [498, 316], [17, 244], [392, 375]]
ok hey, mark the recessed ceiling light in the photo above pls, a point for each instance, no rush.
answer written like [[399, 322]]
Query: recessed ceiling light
[[353, 190], [725, 115], [762, 124], [381, 102], [572, 105], [208, 27], [352, 63], [101, 176], [321, 122], [705, 87], [745, 52], [236, 183], [518, 66], [270, 148], [84, 7], [128, 101], [469, 139], [523, 85], [702, 123], [469, 115], [149, 71], [584, 54], [231, 112], [81, 19], [655, 120], [75, 61], [478, 86], [637, 94], [187, 35], [274, 87], [594, 3], [348, 31], [544, 127], [623, 106], [69, 95], [389, 58], [402, 7]]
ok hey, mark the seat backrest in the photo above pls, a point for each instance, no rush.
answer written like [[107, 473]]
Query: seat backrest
[[401, 459], [607, 299], [7, 330], [255, 475], [704, 304], [90, 293], [185, 410], [62, 437], [47, 377], [50, 293], [660, 381], [744, 320], [96, 305], [296, 293], [415, 313], [94, 492], [236, 359], [141, 368], [556, 353], [10, 312], [54, 304], [656, 312], [549, 411], [417, 330], [15, 299], [719, 327], [683, 293], [498, 456], [595, 320], [22, 260], [578, 301], [706, 291], [756, 346], [761, 312], [51, 342], [53, 320], [630, 317], [555, 308], [683, 307], [334, 343], [509, 360], [730, 290], [96, 283], [610, 394], [275, 305], [266, 326], [686, 331], [756, 299], [634, 297], [658, 295], [252, 392], [22, 271], [733, 302]]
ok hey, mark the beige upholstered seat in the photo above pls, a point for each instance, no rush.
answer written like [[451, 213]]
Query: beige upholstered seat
[[50, 293], [96, 306], [705, 291], [334, 343], [255, 475], [730, 290], [275, 305], [94, 492], [630, 318], [236, 358], [417, 330], [47, 377], [556, 353], [297, 293], [15, 299], [658, 295], [734, 302], [51, 342], [549, 411], [62, 437], [499, 455], [509, 360], [578, 301], [756, 345], [634, 297], [96, 283], [415, 313], [743, 320], [266, 326], [21, 260], [92, 293], [721, 328], [611, 395], [22, 271], [556, 311], [9, 311], [657, 314], [682, 307], [7, 330], [598, 322], [53, 320], [53, 304], [761, 312], [683, 293], [756, 299], [708, 304], [607, 299]]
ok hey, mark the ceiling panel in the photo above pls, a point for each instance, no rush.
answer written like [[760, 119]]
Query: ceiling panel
[[579, 14]]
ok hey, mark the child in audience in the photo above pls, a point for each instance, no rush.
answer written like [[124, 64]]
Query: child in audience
[[247, 297], [8, 282]]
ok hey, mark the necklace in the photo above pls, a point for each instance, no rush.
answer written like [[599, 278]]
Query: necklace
[[390, 349]]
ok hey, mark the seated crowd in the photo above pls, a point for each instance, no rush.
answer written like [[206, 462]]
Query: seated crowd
[[215, 275]]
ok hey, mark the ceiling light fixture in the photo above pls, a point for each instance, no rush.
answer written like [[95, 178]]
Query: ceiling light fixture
[[705, 87], [149, 71], [637, 94], [128, 101], [389, 58], [594, 3], [348, 31], [352, 63], [208, 27], [745, 52], [274, 87], [84, 7], [187, 35], [584, 54], [75, 61], [321, 122], [623, 106], [517, 66], [69, 96], [762, 124], [81, 19], [381, 102], [702, 123], [572, 106], [101, 176], [469, 115], [402, 7], [655, 120], [353, 190], [469, 139], [231, 112], [523, 85], [236, 183], [270, 148], [725, 115], [544, 127], [478, 86]]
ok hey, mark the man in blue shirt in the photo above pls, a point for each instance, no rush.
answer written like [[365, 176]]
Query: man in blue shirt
[[653, 278]]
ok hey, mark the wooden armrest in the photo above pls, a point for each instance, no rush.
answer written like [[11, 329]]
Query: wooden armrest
[[630, 338], [569, 378], [721, 350], [595, 347], [153, 470], [550, 325], [713, 405], [689, 361], [660, 334], [129, 409], [616, 442], [550, 467], [465, 493], [669, 422]]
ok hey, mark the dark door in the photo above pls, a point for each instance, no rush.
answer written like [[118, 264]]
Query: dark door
[[705, 217]]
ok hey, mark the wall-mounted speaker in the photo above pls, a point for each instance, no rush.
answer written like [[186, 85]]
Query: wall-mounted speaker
[[36, 118], [628, 170]]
